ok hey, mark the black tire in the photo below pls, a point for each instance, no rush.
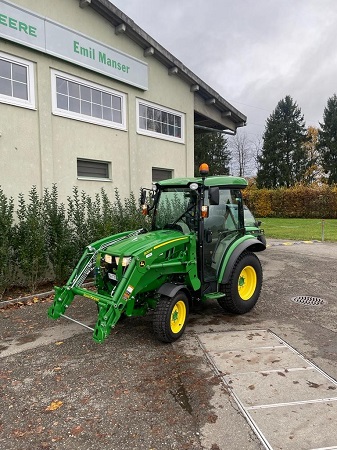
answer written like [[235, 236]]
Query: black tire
[[170, 317], [244, 287]]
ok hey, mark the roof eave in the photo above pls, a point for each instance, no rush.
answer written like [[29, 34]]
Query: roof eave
[[116, 17]]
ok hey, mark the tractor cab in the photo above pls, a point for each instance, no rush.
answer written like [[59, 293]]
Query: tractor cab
[[211, 208]]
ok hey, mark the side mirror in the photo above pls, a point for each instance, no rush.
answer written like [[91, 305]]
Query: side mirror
[[214, 195]]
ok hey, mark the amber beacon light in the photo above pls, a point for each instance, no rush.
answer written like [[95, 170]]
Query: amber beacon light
[[204, 169]]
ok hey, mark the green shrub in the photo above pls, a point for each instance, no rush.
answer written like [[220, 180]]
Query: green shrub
[[77, 207], [7, 266], [59, 237], [31, 248]]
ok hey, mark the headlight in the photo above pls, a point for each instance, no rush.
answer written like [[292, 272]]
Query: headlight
[[108, 259], [125, 260]]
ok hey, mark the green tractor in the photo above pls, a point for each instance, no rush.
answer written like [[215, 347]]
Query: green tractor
[[201, 245]]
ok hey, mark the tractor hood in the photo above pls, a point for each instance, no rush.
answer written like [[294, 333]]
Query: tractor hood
[[141, 244]]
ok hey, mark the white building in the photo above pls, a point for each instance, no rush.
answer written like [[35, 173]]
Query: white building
[[88, 99]]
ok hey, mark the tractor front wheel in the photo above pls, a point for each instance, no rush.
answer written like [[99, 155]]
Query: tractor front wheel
[[170, 317], [243, 289]]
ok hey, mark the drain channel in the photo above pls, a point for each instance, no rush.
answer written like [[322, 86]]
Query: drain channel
[[307, 300]]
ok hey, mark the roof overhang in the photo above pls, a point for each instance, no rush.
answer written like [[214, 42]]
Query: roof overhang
[[211, 110]]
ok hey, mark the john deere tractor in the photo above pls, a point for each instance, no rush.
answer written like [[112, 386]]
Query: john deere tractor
[[200, 245]]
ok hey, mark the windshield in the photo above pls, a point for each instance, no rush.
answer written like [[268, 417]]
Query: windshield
[[176, 206]]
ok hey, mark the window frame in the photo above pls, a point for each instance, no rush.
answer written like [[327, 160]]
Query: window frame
[[30, 103], [92, 178], [83, 117], [155, 134]]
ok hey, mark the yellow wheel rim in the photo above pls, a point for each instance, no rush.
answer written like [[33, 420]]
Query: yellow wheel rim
[[178, 316], [247, 282]]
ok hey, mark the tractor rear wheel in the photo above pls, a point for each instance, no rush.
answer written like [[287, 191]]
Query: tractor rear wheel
[[170, 317], [243, 289]]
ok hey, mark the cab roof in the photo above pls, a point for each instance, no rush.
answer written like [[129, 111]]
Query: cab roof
[[220, 180]]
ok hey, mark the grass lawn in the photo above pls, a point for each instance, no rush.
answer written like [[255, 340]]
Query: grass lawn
[[300, 229]]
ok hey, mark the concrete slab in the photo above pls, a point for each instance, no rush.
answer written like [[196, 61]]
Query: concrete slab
[[299, 427], [256, 360], [239, 340], [289, 402], [286, 386]]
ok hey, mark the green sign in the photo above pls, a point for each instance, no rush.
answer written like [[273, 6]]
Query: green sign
[[29, 29]]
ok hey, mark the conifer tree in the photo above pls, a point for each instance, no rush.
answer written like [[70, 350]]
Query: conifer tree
[[283, 160], [327, 140], [211, 148]]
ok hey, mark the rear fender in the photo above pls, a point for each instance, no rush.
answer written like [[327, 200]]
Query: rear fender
[[252, 245]]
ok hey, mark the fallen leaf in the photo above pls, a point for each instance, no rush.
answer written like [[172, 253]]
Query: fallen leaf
[[76, 430], [54, 405], [59, 343], [35, 300]]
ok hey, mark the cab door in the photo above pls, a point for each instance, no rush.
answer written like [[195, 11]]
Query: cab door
[[222, 225]]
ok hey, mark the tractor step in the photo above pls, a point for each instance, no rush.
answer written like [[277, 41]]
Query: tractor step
[[213, 296]]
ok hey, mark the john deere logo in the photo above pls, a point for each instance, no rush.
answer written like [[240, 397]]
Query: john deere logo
[[142, 264]]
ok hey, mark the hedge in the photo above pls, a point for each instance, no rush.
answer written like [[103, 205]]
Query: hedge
[[299, 201], [43, 239]]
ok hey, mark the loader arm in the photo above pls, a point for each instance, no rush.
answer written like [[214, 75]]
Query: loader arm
[[176, 255], [65, 295]]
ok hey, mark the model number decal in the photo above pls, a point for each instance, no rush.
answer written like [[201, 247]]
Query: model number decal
[[91, 297]]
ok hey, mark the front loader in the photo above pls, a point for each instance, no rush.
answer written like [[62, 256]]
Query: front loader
[[201, 245]]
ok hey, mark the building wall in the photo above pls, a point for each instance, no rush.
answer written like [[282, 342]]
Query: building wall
[[40, 148]]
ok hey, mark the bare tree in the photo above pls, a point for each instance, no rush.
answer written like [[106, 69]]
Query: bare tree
[[257, 145], [244, 155]]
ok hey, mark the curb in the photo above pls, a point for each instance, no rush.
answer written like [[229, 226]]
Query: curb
[[288, 243], [30, 297], [25, 299]]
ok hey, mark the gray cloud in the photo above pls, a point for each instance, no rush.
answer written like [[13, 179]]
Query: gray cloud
[[253, 52]]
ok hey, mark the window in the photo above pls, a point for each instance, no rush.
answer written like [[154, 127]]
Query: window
[[88, 168], [88, 102], [16, 81], [160, 174], [156, 121]]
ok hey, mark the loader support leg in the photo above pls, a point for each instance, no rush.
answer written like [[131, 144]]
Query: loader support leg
[[63, 298], [107, 318]]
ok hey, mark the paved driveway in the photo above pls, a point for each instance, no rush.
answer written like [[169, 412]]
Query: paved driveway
[[60, 390]]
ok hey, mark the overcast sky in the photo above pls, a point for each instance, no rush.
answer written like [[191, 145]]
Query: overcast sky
[[252, 52]]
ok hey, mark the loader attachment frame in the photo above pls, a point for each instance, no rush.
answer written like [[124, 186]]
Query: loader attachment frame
[[64, 296]]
